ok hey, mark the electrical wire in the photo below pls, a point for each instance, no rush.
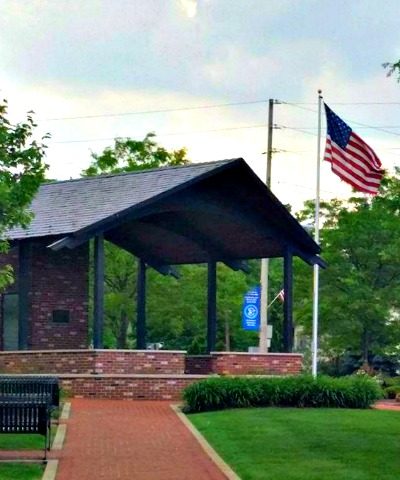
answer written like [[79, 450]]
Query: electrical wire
[[148, 112], [194, 132]]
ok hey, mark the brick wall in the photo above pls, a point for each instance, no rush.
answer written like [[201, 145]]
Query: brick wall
[[241, 363], [137, 361], [58, 281], [93, 362], [198, 364], [128, 387]]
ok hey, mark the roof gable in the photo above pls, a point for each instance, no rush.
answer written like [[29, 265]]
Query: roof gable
[[65, 207]]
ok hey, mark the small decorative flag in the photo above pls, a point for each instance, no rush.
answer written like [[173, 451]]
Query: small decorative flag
[[281, 295], [350, 157]]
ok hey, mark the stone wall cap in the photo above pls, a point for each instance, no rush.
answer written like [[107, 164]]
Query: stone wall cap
[[126, 350], [88, 350], [127, 375], [269, 354], [205, 355]]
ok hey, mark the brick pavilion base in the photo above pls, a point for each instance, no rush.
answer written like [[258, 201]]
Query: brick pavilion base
[[141, 374]]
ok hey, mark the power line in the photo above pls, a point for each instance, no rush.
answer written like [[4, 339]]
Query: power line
[[148, 112], [194, 132], [364, 125], [346, 103], [201, 107], [370, 126]]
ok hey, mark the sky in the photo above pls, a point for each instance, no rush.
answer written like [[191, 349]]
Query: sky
[[199, 74]]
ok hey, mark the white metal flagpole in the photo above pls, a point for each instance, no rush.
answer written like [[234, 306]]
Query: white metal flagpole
[[314, 347]]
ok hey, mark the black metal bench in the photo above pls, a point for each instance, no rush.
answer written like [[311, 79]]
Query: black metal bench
[[24, 416], [33, 398], [35, 388]]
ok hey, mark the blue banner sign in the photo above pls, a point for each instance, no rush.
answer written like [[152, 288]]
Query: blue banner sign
[[251, 309]]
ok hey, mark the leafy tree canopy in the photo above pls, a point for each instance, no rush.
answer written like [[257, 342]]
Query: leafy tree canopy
[[128, 155], [393, 69], [22, 169], [360, 289]]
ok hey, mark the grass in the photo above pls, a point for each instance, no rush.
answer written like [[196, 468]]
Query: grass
[[28, 441], [305, 444], [21, 471], [11, 441]]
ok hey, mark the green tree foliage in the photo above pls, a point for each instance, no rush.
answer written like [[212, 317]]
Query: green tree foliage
[[360, 289], [22, 169], [393, 69], [128, 155]]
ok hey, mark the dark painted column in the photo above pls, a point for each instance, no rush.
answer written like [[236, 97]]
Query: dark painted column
[[211, 306], [23, 293], [98, 294], [288, 303], [141, 306]]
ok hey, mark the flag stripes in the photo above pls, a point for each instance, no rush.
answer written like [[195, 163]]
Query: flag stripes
[[350, 157]]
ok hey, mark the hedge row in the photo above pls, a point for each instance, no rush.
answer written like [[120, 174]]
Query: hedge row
[[292, 391]]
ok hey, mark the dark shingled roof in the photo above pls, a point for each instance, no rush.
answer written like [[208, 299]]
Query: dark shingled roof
[[61, 208], [173, 215]]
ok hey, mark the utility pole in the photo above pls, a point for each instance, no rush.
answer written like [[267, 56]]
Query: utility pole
[[263, 342]]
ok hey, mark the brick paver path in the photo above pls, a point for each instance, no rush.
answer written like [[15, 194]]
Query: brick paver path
[[123, 440], [387, 405]]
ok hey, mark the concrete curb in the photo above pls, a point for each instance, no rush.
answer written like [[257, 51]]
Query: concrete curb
[[50, 471], [208, 449], [66, 411], [59, 438]]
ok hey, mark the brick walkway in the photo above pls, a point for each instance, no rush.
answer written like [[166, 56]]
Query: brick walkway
[[387, 405], [123, 440]]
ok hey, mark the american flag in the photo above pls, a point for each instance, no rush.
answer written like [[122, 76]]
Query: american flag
[[350, 157]]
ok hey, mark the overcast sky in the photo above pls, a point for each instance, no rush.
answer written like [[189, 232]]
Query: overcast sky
[[96, 57]]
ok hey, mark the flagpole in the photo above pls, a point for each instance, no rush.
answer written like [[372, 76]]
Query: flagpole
[[274, 300], [314, 347]]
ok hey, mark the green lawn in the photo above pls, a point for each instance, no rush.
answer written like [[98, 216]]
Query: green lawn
[[21, 471], [11, 441], [305, 444]]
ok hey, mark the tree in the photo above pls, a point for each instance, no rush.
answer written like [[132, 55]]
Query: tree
[[393, 68], [127, 155], [22, 170], [360, 289]]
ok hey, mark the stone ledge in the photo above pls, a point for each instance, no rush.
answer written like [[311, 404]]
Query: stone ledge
[[128, 375], [88, 350], [269, 354]]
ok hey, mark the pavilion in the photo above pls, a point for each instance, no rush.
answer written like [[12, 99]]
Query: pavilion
[[198, 213]]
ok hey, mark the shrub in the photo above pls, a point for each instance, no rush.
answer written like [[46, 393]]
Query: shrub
[[391, 381], [391, 392], [292, 391]]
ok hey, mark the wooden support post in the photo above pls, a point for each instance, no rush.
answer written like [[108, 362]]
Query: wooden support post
[[288, 303], [212, 306], [141, 306], [98, 294], [23, 293]]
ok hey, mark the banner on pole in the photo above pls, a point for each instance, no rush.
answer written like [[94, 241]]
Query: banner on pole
[[251, 309]]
